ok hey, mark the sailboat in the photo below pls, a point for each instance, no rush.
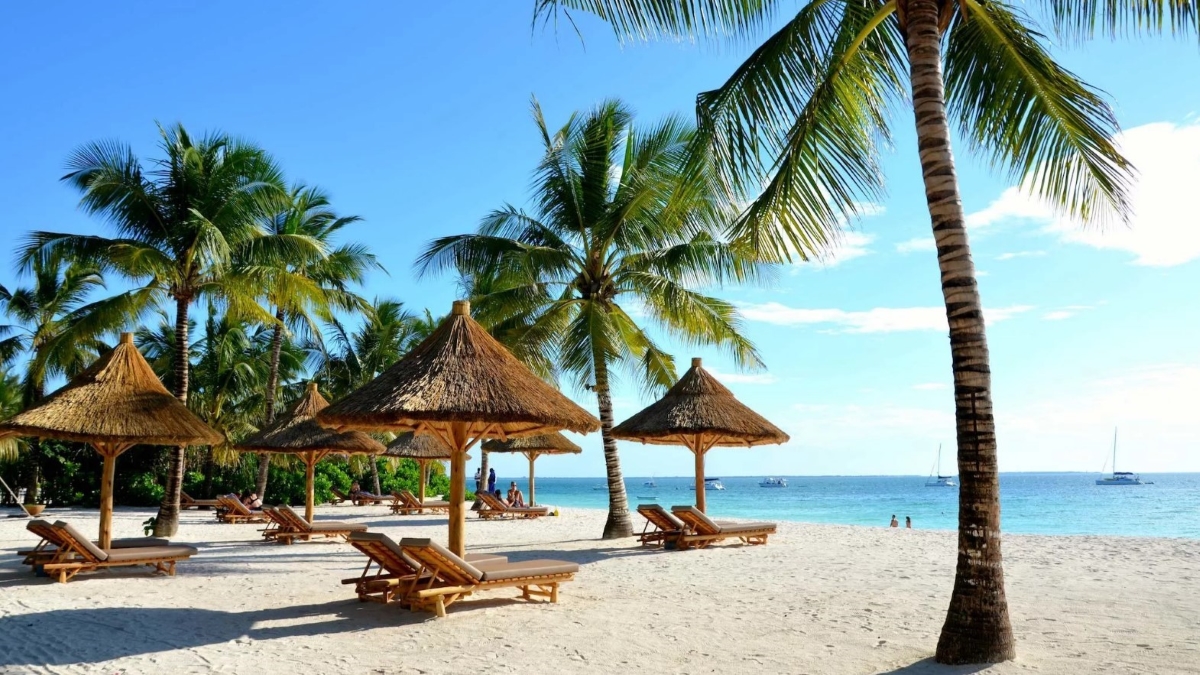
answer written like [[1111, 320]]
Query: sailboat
[[939, 480], [1119, 477]]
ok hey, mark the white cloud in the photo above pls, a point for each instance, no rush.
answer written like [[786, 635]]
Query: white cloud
[[1064, 313], [743, 378], [931, 386], [1164, 229], [877, 320], [848, 246], [1020, 254], [869, 209], [916, 244]]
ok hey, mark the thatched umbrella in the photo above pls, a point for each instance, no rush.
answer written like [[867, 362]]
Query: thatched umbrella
[[462, 386], [298, 433], [117, 403], [533, 447], [699, 413], [424, 448]]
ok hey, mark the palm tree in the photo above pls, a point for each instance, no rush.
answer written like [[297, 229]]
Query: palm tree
[[615, 227], [803, 116], [180, 223], [58, 332], [300, 291]]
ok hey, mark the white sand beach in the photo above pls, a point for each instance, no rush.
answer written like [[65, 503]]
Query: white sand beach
[[817, 599]]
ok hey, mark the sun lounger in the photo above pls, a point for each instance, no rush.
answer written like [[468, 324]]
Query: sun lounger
[[406, 503], [234, 511], [367, 499], [389, 569], [77, 554], [444, 578], [299, 528], [703, 531], [51, 541], [494, 508], [666, 527], [186, 502], [339, 497], [278, 524]]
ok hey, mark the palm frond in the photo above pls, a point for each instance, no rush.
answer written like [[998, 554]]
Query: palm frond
[[651, 19]]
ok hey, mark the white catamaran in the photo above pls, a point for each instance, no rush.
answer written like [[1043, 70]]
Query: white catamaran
[[1119, 477], [936, 479]]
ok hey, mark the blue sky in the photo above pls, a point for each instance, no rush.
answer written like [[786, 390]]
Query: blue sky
[[418, 121]]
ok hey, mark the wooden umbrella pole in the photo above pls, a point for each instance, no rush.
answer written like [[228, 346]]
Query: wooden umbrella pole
[[424, 479], [698, 451], [458, 484], [532, 456], [310, 496], [109, 453]]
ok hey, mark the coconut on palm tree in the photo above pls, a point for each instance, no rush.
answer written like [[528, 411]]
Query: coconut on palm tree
[[616, 241], [57, 330], [180, 221], [301, 291], [798, 128]]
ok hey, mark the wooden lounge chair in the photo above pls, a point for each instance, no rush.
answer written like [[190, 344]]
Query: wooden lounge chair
[[339, 497], [77, 554], [186, 502], [361, 498], [389, 569], [278, 524], [444, 578], [406, 503], [494, 508], [234, 511], [666, 527], [299, 528], [401, 505], [703, 531], [51, 541]]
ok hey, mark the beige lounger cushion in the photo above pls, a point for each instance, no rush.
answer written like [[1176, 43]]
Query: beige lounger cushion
[[734, 528], [527, 568], [148, 552], [95, 551], [663, 514], [383, 539], [336, 526], [469, 569]]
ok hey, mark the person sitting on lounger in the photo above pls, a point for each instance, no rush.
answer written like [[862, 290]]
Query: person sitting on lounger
[[252, 501], [515, 498], [501, 498]]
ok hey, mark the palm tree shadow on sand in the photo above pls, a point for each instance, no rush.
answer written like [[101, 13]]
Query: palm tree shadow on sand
[[103, 634], [927, 666]]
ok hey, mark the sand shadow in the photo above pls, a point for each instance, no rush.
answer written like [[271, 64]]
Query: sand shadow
[[927, 666], [103, 634]]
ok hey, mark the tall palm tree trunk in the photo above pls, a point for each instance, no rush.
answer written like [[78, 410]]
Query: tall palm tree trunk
[[166, 524], [33, 455], [375, 476], [264, 459], [977, 628], [618, 524]]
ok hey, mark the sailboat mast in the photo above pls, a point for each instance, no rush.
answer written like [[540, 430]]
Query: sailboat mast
[[1114, 451]]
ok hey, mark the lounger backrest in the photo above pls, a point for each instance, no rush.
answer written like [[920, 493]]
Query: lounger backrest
[[297, 520], [45, 530], [694, 517], [441, 560], [278, 517], [81, 543], [661, 517], [237, 505], [185, 497], [410, 498], [491, 501], [382, 549], [338, 493]]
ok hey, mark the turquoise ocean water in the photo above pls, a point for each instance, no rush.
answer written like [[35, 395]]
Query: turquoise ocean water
[[1031, 503]]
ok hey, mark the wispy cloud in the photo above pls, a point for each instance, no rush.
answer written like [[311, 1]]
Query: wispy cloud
[[1020, 254], [1162, 230], [916, 244], [877, 320], [743, 378], [1064, 313]]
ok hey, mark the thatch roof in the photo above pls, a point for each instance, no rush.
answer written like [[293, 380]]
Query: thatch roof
[[543, 444], [417, 446], [118, 399], [699, 404], [297, 431], [460, 373]]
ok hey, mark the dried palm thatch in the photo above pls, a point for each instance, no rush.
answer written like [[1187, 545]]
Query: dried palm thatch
[[459, 373], [533, 447], [118, 402], [463, 386], [297, 432], [698, 412]]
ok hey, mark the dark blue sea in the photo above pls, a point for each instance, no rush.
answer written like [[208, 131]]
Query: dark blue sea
[[1031, 503]]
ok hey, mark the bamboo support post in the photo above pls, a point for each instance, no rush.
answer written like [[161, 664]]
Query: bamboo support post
[[424, 479], [532, 456], [310, 464]]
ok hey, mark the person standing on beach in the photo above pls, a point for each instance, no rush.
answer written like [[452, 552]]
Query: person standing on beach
[[491, 480], [894, 523], [907, 523], [478, 478]]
